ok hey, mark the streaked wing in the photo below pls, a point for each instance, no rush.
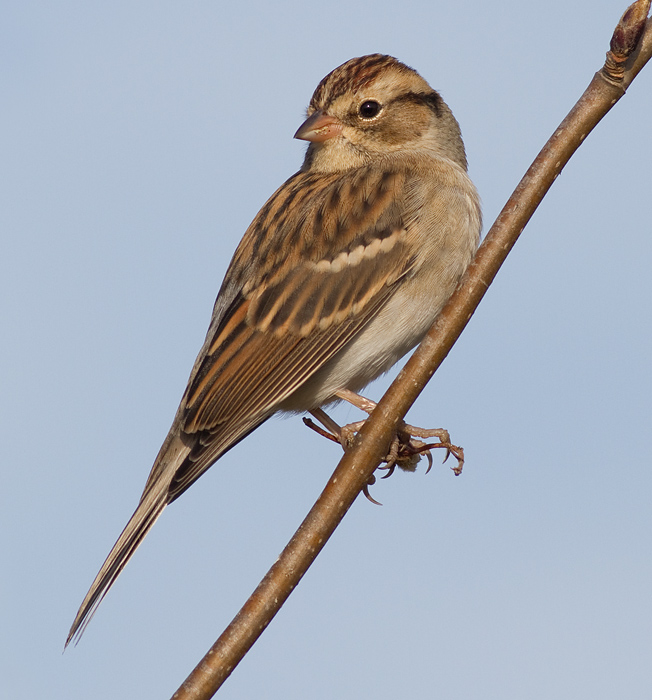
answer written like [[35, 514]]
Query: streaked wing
[[290, 301]]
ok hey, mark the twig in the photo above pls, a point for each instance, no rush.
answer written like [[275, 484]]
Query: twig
[[631, 48]]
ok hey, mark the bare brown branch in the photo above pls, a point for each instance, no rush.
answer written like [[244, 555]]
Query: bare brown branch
[[631, 47]]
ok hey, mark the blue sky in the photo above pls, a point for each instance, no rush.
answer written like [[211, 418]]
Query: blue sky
[[138, 141]]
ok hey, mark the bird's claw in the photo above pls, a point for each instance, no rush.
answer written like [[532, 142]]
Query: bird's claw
[[405, 451], [365, 490]]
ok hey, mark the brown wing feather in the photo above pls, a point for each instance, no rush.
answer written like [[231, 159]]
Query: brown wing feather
[[294, 311]]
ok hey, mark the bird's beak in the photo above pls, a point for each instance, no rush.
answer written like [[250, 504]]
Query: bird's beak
[[319, 127]]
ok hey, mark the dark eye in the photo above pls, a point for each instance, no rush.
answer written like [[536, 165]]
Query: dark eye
[[369, 109]]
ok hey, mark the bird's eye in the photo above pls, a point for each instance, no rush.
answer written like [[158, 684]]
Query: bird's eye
[[369, 109]]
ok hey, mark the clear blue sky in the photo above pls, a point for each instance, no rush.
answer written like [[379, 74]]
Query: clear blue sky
[[138, 141]]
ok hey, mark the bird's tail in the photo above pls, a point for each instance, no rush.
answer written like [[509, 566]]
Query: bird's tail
[[154, 499], [147, 513]]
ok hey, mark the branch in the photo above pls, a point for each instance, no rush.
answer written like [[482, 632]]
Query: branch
[[630, 49]]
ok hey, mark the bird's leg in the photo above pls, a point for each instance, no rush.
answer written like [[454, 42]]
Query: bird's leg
[[405, 450], [344, 435]]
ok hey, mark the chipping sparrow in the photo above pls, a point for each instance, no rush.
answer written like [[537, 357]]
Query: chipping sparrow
[[340, 274]]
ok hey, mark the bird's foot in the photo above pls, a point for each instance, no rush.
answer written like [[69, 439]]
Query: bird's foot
[[405, 450]]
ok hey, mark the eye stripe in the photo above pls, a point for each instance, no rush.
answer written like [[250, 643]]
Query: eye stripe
[[432, 100]]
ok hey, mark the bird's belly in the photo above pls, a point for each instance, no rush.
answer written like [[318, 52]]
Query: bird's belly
[[400, 326]]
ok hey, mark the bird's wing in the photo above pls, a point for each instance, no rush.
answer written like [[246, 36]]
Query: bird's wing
[[301, 295]]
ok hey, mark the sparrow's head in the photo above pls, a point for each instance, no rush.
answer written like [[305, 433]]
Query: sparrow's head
[[372, 106]]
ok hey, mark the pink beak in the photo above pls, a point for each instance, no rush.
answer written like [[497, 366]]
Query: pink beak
[[319, 127]]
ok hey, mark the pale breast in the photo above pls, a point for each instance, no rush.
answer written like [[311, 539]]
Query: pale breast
[[444, 222]]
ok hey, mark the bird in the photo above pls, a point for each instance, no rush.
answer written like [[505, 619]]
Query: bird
[[340, 274]]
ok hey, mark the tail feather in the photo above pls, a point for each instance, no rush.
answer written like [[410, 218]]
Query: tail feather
[[154, 499], [173, 472], [147, 513]]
